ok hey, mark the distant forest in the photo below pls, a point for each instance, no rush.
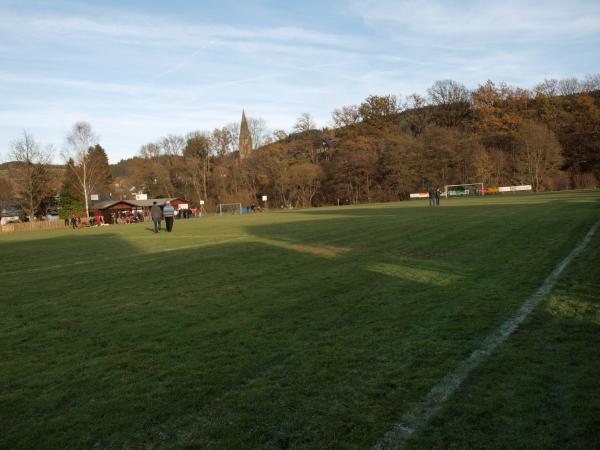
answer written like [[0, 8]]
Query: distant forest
[[379, 150]]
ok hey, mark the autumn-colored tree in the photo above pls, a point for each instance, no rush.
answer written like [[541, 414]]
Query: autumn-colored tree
[[196, 156], [221, 141], [494, 121], [31, 174], [396, 169], [538, 154], [152, 171], [352, 171], [578, 130], [417, 113], [377, 110], [305, 179], [274, 178], [381, 149]]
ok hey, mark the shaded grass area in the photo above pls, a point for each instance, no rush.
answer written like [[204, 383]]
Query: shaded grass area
[[540, 390], [309, 329]]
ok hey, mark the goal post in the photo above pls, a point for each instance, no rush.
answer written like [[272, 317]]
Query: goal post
[[457, 190], [229, 208]]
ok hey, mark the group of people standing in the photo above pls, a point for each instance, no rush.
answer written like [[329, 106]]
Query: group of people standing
[[74, 221], [434, 196], [167, 212]]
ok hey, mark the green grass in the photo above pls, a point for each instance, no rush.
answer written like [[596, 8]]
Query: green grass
[[309, 329]]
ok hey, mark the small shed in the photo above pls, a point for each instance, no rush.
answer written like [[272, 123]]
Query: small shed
[[111, 209], [117, 208]]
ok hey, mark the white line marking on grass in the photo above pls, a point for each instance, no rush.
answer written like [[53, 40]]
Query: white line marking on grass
[[419, 416]]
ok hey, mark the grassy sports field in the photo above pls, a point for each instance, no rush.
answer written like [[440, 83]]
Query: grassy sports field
[[309, 329]]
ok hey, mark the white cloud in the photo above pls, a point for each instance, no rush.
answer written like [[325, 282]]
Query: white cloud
[[136, 77], [509, 18], [149, 30]]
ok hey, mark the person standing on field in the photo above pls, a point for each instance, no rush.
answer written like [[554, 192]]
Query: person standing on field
[[431, 197], [156, 214], [438, 194], [168, 213]]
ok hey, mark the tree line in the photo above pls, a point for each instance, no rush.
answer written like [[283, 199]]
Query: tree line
[[379, 150]]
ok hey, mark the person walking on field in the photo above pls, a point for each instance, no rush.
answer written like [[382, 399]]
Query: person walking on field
[[168, 213], [156, 214]]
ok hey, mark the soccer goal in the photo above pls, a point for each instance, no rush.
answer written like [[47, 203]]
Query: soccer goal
[[457, 190], [229, 208]]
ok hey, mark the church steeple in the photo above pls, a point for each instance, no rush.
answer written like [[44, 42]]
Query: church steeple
[[245, 138]]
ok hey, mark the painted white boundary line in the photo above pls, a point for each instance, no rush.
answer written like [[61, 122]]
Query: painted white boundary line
[[420, 415]]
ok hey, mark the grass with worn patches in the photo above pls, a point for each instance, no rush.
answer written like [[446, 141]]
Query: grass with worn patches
[[315, 328]]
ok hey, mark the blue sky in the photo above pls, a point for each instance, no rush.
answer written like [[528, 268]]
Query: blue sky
[[139, 70]]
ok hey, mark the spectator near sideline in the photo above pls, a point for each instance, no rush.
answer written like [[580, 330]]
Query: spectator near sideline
[[156, 214], [168, 213]]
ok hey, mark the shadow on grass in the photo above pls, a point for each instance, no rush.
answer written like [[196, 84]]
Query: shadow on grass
[[120, 346], [67, 250], [279, 340]]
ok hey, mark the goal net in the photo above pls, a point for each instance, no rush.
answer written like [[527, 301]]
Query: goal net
[[457, 190], [229, 208]]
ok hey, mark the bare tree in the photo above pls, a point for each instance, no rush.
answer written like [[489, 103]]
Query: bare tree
[[280, 135], [345, 116], [234, 132], [32, 176], [591, 83], [150, 150], [172, 145], [446, 92], [87, 169], [304, 123], [547, 88], [258, 131], [452, 99], [569, 86]]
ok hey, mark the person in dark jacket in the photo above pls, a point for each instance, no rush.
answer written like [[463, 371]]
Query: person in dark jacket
[[168, 214], [156, 214]]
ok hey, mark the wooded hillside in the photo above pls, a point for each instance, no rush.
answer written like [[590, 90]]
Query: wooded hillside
[[383, 149], [380, 150]]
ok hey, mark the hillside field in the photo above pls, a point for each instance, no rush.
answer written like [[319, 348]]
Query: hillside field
[[314, 328]]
